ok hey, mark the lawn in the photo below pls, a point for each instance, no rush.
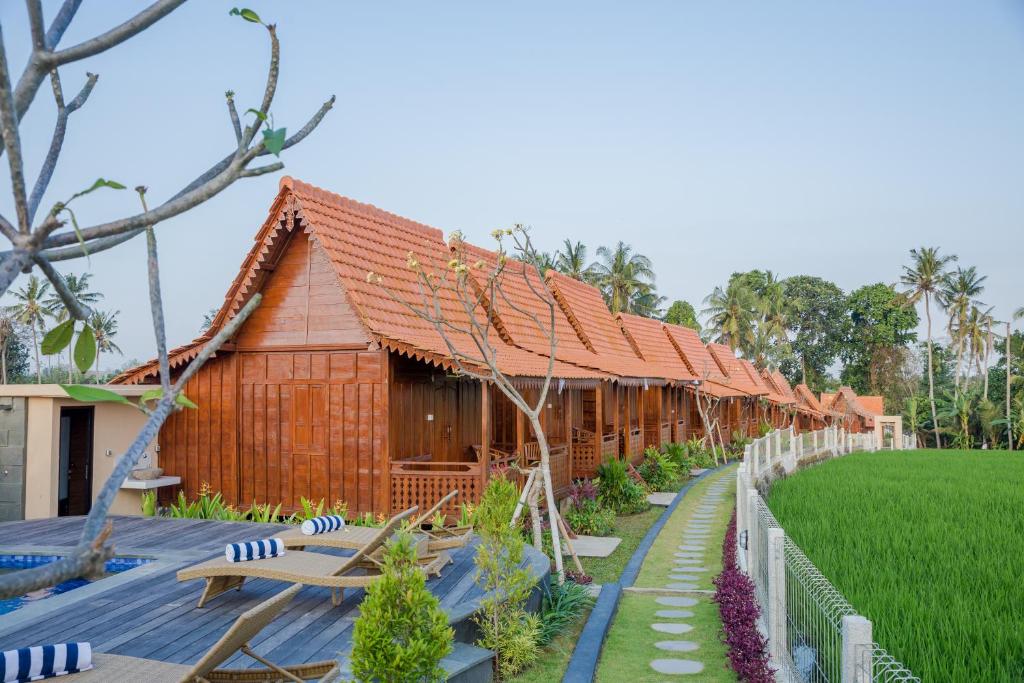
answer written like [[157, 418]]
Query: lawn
[[929, 545]]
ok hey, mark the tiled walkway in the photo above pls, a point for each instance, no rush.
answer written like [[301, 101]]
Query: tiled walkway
[[667, 626]]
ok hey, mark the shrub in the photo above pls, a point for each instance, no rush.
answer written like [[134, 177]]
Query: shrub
[[149, 503], [616, 490], [659, 471], [588, 517], [505, 626], [578, 577], [401, 633], [739, 611], [563, 605]]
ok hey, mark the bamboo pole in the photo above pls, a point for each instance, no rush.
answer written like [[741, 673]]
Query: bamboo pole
[[568, 544], [521, 503]]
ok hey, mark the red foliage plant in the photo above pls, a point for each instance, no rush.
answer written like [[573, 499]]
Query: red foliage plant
[[738, 608]]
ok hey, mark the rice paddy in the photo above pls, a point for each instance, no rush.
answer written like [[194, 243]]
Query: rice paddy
[[929, 545]]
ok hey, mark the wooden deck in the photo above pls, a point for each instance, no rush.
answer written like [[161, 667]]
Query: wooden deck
[[146, 612]]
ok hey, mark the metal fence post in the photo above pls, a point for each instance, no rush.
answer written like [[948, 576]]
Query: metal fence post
[[753, 529], [776, 593], [856, 649]]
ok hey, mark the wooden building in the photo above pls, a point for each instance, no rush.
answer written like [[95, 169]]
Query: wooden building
[[333, 389]]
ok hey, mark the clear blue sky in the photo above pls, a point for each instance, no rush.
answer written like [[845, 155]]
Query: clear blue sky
[[818, 138]]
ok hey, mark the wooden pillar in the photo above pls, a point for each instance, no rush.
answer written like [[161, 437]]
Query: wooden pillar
[[485, 433], [598, 422], [628, 419], [615, 412], [567, 419], [520, 431]]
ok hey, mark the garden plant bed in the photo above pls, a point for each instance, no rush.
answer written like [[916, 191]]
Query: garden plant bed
[[927, 546]]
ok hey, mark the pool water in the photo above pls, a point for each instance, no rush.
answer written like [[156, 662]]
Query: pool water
[[10, 563]]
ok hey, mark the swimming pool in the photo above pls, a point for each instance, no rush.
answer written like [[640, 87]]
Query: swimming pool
[[9, 563]]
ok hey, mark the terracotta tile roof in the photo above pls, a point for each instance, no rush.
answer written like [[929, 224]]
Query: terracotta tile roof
[[654, 346], [765, 389], [874, 404], [847, 402], [826, 399], [360, 238], [699, 362], [775, 394], [781, 385], [733, 368], [807, 400]]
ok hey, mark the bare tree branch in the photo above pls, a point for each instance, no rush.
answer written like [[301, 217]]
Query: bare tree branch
[[57, 142], [76, 309], [262, 170], [117, 35], [12, 143], [93, 247], [236, 125]]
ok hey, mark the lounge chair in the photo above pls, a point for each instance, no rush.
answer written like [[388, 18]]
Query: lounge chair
[[442, 538], [107, 667], [431, 560], [297, 566]]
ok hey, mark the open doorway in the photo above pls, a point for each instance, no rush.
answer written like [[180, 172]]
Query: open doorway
[[74, 482]]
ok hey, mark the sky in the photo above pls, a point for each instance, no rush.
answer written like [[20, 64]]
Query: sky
[[805, 138]]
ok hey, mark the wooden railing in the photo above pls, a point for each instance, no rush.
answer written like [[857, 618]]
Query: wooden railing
[[559, 461], [609, 446], [666, 433], [423, 483], [681, 430], [584, 459]]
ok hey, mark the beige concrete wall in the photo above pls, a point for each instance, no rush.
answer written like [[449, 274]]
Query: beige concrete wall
[[114, 428]]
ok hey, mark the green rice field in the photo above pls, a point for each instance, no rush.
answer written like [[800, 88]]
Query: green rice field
[[929, 545]]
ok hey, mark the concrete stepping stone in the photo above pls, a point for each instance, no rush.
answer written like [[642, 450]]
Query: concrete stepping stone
[[677, 645], [684, 577], [661, 498], [677, 667], [673, 614], [673, 601], [676, 629], [593, 546], [695, 569], [683, 586], [691, 547]]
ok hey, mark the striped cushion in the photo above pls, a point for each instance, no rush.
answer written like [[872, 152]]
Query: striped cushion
[[319, 525], [254, 550], [45, 661]]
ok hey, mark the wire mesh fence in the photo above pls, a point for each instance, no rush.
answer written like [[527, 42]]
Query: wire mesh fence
[[821, 638]]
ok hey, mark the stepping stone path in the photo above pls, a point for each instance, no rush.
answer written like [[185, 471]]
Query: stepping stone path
[[688, 574]]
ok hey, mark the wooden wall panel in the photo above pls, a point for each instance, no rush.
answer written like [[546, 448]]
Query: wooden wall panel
[[303, 304]]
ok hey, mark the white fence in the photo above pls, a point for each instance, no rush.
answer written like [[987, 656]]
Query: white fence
[[814, 634]]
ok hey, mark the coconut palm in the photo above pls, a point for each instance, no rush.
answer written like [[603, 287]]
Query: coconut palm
[[31, 311], [923, 279], [571, 260], [1019, 313], [8, 331], [622, 276], [78, 285], [544, 261], [958, 294], [648, 303], [731, 313], [104, 326]]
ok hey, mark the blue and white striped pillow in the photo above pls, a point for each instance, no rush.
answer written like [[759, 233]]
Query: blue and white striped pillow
[[322, 524], [45, 661], [254, 550]]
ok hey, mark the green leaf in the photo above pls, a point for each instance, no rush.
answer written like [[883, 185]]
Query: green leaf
[[260, 115], [273, 140], [100, 182], [93, 394], [185, 401], [57, 339], [246, 14], [85, 349], [155, 394]]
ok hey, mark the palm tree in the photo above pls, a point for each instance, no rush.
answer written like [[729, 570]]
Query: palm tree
[[8, 331], [544, 261], [104, 326], [31, 311], [571, 260], [958, 294], [1019, 313], [79, 288], [923, 279], [647, 302], [622, 276], [731, 313]]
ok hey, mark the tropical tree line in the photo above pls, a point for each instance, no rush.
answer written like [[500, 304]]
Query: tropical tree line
[[34, 311]]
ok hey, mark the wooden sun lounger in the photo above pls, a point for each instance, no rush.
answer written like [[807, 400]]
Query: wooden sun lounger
[[440, 539], [297, 566], [107, 667]]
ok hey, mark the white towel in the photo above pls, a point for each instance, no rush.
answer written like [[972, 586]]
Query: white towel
[[45, 661], [254, 550], [322, 524]]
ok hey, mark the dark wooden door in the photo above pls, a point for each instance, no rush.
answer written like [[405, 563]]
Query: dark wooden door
[[74, 487]]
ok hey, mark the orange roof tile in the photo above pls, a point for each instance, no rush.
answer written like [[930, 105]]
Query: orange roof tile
[[360, 238], [699, 362], [654, 345], [874, 404], [733, 368], [846, 401], [807, 400], [781, 385], [775, 394]]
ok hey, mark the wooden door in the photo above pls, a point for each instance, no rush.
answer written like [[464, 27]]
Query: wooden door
[[74, 487]]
